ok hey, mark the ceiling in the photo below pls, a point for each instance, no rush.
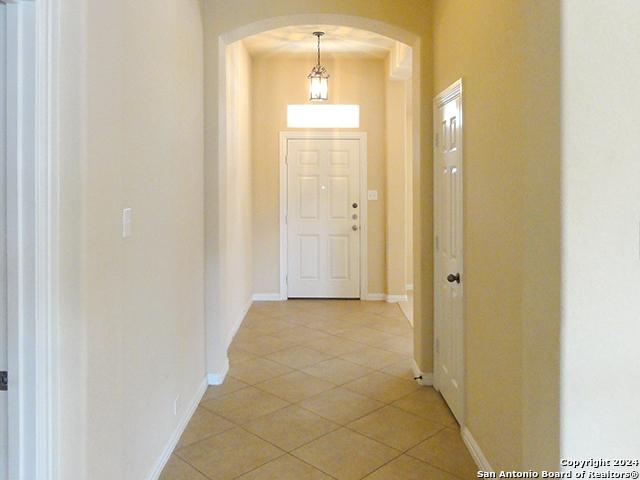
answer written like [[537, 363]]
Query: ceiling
[[300, 39]]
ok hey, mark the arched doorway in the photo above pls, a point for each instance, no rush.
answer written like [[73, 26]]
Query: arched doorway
[[222, 321]]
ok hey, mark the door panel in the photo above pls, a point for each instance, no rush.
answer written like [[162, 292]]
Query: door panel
[[323, 258], [309, 257], [339, 198], [309, 201], [448, 248], [339, 257]]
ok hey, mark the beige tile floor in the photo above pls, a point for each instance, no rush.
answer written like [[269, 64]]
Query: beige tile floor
[[321, 389]]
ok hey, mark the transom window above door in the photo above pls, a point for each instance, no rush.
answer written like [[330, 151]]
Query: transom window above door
[[323, 116]]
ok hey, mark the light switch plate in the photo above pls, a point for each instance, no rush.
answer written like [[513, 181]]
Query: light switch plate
[[126, 222], [372, 194]]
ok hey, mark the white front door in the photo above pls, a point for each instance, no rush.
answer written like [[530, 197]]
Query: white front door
[[449, 278], [323, 218]]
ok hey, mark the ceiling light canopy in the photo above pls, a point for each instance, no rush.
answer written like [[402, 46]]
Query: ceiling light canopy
[[318, 78]]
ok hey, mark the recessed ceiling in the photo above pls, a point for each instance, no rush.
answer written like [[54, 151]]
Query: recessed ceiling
[[300, 39]]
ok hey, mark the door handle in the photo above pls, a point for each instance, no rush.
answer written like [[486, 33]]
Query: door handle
[[453, 278], [354, 228]]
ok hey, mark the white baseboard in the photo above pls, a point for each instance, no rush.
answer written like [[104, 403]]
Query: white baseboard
[[409, 287], [217, 378], [475, 451], [375, 297], [407, 310], [238, 321], [397, 298], [427, 378], [177, 433], [267, 297]]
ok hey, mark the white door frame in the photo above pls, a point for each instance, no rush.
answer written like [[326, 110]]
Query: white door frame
[[450, 93], [32, 237], [362, 138]]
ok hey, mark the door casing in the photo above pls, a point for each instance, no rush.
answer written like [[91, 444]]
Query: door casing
[[32, 236], [452, 92], [362, 138], [4, 400]]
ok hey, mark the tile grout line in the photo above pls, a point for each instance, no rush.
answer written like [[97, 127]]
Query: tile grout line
[[435, 466], [288, 452], [344, 425], [402, 452], [331, 358], [280, 316], [285, 452], [192, 466], [241, 427]]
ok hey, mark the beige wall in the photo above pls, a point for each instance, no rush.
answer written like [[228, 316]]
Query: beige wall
[[541, 264], [131, 311], [511, 227], [409, 174], [279, 81], [412, 25], [131, 104], [235, 233], [600, 214], [396, 166], [72, 336], [487, 55]]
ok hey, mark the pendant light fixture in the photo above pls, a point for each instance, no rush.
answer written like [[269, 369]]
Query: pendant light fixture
[[318, 78]]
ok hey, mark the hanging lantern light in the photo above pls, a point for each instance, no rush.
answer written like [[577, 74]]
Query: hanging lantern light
[[318, 78]]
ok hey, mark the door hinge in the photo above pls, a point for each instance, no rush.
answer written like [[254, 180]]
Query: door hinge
[[4, 381], [436, 140], [437, 345]]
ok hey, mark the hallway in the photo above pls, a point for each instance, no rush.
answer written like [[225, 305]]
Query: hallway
[[321, 389], [164, 164]]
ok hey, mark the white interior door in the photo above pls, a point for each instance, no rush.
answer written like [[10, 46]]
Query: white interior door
[[449, 278], [323, 218], [4, 434]]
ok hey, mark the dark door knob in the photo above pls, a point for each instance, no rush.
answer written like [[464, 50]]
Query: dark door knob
[[453, 278], [355, 205]]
